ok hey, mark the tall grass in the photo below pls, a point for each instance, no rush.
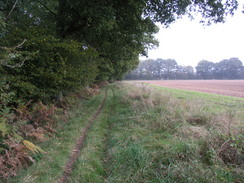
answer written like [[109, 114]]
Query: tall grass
[[159, 138], [147, 135]]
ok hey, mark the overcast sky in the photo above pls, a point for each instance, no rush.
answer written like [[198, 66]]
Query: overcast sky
[[189, 42]]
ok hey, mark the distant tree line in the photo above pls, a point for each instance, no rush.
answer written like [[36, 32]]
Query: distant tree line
[[169, 69], [226, 69]]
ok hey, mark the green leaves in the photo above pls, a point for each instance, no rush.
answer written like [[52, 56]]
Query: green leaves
[[72, 43], [56, 65], [212, 11]]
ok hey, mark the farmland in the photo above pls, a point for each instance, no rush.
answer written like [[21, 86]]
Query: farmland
[[222, 87]]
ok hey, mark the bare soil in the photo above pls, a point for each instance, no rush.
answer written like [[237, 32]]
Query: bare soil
[[233, 88]]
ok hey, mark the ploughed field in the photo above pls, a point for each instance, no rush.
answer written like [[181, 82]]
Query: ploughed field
[[223, 87]]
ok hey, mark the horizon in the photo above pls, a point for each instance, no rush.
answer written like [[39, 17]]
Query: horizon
[[189, 42], [190, 65]]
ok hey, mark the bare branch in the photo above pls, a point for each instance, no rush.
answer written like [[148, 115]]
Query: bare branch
[[12, 9], [18, 46], [47, 8], [14, 66], [13, 48]]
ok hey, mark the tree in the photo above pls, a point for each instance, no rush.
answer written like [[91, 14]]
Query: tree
[[161, 69], [241, 73], [211, 10], [205, 70], [169, 68], [185, 72], [228, 69], [118, 30]]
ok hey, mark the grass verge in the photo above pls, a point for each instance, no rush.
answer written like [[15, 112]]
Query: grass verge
[[148, 135], [156, 137], [220, 101], [50, 167]]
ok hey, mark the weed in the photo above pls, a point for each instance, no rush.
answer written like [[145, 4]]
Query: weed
[[14, 158], [43, 114], [208, 154], [148, 135], [229, 154], [198, 120]]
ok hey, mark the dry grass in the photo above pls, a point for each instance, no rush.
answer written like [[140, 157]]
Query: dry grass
[[191, 119], [228, 123], [193, 132]]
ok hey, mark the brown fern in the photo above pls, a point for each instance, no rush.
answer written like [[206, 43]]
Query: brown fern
[[15, 157]]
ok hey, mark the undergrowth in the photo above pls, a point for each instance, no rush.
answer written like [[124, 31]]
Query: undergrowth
[[146, 135], [50, 167], [26, 128]]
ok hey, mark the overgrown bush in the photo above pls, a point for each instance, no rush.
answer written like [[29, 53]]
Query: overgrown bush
[[54, 65]]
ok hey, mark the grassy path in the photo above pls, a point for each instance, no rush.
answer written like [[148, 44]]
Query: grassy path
[[50, 167], [145, 136], [79, 144]]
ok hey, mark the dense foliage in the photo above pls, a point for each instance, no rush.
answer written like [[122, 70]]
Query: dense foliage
[[169, 69], [58, 45], [55, 65]]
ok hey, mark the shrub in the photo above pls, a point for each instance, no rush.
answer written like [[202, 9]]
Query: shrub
[[54, 65]]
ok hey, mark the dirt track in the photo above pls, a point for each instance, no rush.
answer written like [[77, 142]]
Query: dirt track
[[223, 87], [79, 144]]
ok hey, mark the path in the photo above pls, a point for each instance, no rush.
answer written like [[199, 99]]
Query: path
[[79, 144]]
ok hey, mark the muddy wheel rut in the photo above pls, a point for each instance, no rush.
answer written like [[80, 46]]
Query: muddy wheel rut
[[80, 143]]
